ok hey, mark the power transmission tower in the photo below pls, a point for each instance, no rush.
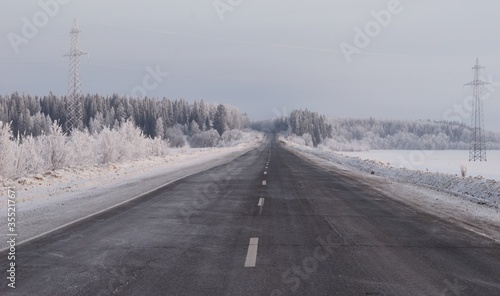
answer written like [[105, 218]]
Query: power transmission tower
[[75, 96], [477, 149]]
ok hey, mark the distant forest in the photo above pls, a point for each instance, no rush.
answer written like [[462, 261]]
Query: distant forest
[[406, 134], [33, 115], [349, 134]]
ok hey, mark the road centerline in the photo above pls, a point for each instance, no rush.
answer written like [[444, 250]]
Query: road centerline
[[252, 252]]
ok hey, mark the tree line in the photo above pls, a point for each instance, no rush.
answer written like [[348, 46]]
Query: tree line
[[301, 123], [34, 115], [364, 134]]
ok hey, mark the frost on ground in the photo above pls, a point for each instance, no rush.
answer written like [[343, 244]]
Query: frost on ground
[[48, 200], [440, 161], [472, 202]]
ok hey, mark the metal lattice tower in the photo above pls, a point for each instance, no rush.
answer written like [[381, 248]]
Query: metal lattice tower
[[75, 96], [477, 149]]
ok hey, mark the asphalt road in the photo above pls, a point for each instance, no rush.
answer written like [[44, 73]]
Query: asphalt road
[[223, 232]]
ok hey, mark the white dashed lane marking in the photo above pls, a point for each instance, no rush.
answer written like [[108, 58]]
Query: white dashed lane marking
[[252, 252]]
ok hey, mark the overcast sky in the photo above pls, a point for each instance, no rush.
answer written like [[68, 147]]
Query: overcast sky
[[410, 59]]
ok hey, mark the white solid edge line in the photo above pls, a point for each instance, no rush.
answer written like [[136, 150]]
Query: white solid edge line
[[261, 202], [252, 252], [111, 207], [100, 212]]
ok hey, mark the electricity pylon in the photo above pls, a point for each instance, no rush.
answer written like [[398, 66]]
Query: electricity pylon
[[75, 96], [477, 150]]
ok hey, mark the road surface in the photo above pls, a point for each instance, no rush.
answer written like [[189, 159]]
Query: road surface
[[268, 223]]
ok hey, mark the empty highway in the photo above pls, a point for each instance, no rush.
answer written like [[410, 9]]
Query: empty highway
[[267, 223]]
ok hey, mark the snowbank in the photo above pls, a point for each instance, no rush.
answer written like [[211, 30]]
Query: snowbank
[[123, 143], [477, 189]]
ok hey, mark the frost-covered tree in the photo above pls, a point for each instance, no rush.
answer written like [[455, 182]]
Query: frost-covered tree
[[130, 142], [220, 119], [81, 145], [306, 122], [28, 155], [6, 150], [231, 136], [194, 128], [175, 136], [308, 139], [96, 124], [159, 130], [208, 138], [54, 148], [107, 149]]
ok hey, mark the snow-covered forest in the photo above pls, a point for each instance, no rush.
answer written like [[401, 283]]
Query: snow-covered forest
[[33, 115], [365, 134], [348, 134], [33, 137], [311, 126]]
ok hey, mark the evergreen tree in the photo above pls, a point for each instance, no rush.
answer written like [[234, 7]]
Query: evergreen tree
[[194, 128], [159, 130], [220, 119]]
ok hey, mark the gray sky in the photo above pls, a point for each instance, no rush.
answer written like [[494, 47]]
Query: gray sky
[[265, 57]]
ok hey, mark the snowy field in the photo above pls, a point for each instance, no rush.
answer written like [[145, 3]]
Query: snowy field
[[438, 161]]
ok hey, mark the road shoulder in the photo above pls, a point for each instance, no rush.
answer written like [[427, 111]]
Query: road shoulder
[[59, 198], [475, 217]]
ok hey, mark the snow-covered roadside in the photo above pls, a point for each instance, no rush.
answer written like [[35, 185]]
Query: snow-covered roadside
[[454, 162], [55, 198], [421, 190]]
